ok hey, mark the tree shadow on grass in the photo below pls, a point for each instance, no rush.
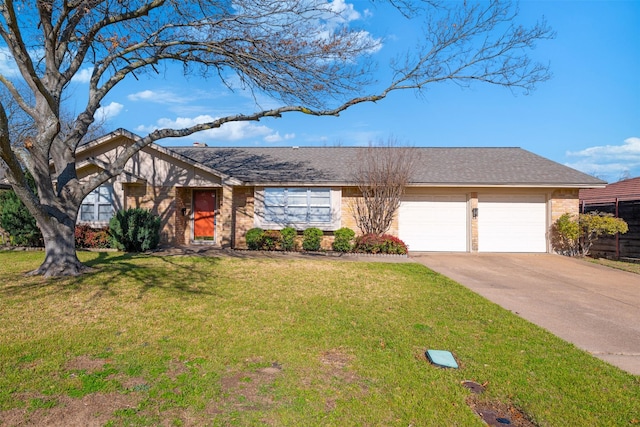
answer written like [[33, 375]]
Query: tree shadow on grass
[[168, 275], [171, 274]]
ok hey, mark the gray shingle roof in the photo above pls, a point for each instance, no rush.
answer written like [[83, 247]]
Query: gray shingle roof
[[436, 166]]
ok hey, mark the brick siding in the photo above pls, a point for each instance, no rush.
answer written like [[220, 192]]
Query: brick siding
[[242, 215], [564, 201], [161, 202]]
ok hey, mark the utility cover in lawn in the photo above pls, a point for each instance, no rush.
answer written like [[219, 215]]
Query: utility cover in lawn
[[442, 358]]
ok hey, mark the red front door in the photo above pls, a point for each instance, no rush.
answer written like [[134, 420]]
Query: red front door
[[204, 206]]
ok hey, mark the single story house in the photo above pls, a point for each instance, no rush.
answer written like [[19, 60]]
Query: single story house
[[459, 199], [622, 200]]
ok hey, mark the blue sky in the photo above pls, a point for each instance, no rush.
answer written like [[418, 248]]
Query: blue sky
[[587, 116]]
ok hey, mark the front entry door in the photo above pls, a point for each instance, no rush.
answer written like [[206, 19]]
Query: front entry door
[[204, 207]]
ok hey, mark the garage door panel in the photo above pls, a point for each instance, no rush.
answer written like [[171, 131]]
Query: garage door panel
[[434, 223], [512, 223]]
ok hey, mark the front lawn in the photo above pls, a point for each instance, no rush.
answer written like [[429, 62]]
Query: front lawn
[[190, 341]]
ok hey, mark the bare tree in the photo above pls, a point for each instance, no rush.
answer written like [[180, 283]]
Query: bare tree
[[381, 173], [299, 52]]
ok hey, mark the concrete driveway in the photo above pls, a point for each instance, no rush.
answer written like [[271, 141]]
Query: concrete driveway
[[594, 307]]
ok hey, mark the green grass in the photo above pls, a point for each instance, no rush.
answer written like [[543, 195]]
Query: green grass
[[631, 267], [225, 341]]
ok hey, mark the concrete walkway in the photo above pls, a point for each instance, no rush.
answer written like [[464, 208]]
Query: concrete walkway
[[594, 307]]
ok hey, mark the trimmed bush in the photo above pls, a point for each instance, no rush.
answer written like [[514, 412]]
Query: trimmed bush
[[574, 235], [92, 238], [288, 242], [380, 244], [342, 239], [135, 230], [311, 239], [271, 239], [255, 239]]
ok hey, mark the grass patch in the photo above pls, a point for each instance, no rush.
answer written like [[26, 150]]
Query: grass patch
[[632, 267], [221, 341]]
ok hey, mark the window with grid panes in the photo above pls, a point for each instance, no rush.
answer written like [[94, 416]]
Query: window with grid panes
[[297, 206], [98, 205]]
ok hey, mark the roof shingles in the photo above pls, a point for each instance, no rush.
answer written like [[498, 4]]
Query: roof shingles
[[436, 166], [628, 189]]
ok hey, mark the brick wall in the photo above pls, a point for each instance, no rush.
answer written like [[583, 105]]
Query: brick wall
[[564, 201], [350, 195], [473, 201], [225, 217], [183, 204], [241, 215], [347, 219], [160, 201]]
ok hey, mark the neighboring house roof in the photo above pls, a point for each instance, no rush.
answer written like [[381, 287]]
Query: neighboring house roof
[[629, 189], [436, 166]]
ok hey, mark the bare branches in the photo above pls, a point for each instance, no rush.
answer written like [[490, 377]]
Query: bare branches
[[381, 175], [306, 54]]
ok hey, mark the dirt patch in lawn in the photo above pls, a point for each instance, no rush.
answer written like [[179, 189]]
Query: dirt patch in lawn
[[92, 410], [336, 372], [176, 368], [499, 414], [85, 363], [248, 391], [336, 365]]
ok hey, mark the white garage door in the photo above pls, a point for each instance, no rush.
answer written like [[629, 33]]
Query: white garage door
[[511, 223], [434, 223]]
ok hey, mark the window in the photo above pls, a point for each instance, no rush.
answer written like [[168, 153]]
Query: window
[[297, 206], [98, 205]]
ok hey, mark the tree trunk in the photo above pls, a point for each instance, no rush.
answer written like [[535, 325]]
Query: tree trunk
[[60, 251]]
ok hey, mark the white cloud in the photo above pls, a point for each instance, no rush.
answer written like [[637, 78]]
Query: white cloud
[[8, 67], [344, 12], [233, 131], [340, 14], [160, 97], [275, 137], [83, 76], [109, 111], [608, 161]]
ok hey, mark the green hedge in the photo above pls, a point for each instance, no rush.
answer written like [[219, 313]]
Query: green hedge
[[135, 230]]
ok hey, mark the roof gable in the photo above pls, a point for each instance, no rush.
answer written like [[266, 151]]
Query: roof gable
[[123, 133]]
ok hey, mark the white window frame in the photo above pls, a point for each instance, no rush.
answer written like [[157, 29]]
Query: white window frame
[[265, 220], [102, 196]]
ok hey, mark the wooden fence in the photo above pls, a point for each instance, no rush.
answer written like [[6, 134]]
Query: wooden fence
[[623, 245]]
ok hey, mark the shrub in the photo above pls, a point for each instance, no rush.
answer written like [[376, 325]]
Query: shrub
[[271, 239], [342, 240], [565, 235], [311, 239], [288, 241], [380, 244], [87, 237], [134, 230], [575, 235], [17, 221], [255, 239]]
